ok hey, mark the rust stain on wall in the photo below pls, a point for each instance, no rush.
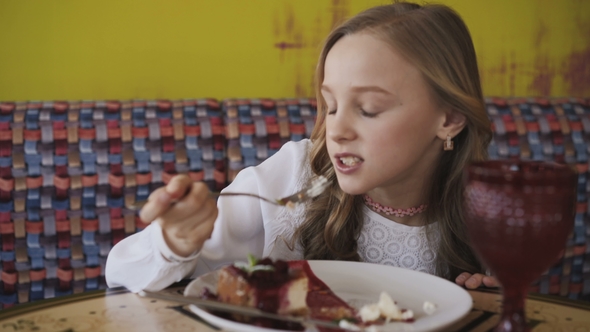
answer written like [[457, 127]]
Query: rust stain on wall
[[505, 73], [340, 12], [536, 67], [577, 73], [500, 69], [512, 77], [289, 25], [543, 76], [284, 45], [540, 35], [576, 67], [291, 44], [300, 90], [543, 72], [286, 31], [495, 75]]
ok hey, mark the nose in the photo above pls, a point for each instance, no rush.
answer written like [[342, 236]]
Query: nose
[[339, 126]]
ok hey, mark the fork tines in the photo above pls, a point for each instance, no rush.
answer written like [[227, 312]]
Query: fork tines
[[317, 186]]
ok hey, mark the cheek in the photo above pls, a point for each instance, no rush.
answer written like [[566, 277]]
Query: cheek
[[396, 142], [386, 136], [407, 131]]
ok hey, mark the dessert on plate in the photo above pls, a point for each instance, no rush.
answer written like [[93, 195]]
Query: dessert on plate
[[269, 286], [291, 288], [278, 287]]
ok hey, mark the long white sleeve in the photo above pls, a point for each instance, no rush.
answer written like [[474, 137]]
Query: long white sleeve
[[137, 264], [244, 226]]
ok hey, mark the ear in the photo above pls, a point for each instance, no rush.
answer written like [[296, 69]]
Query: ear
[[452, 125]]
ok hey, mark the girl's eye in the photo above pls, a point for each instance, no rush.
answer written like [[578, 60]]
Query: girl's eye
[[367, 114], [331, 111]]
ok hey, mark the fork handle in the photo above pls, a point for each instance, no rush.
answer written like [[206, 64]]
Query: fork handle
[[138, 205], [217, 194]]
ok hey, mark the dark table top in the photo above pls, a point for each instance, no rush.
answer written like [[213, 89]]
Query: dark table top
[[120, 310]]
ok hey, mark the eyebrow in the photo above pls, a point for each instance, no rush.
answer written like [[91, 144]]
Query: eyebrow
[[368, 88]]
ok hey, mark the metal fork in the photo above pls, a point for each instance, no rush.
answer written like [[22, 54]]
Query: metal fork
[[313, 189]]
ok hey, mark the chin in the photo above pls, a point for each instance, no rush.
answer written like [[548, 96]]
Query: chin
[[351, 188]]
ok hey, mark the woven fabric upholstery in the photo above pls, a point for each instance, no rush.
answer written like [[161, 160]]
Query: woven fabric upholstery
[[256, 129], [551, 130], [68, 169]]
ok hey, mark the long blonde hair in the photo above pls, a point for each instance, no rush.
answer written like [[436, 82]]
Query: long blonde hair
[[435, 40]]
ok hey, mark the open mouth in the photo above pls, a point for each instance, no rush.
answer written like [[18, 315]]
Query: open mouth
[[350, 160]]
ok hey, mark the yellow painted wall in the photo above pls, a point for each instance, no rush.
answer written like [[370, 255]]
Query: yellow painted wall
[[123, 49]]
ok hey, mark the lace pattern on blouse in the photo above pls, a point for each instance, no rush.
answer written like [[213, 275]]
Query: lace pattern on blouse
[[386, 242]]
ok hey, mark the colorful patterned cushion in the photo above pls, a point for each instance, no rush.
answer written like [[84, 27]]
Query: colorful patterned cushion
[[68, 169], [257, 128]]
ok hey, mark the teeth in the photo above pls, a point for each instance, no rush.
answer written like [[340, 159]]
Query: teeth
[[349, 161]]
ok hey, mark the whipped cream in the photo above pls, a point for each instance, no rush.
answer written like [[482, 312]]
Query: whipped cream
[[386, 309], [429, 307]]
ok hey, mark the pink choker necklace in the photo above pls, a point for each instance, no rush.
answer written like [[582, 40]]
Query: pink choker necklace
[[391, 211]]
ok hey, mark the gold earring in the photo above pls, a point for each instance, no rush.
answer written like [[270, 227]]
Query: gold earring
[[448, 144]]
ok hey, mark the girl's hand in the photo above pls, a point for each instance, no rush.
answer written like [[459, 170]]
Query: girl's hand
[[187, 223], [473, 281]]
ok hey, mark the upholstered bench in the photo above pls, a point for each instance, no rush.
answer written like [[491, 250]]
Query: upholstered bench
[[68, 169]]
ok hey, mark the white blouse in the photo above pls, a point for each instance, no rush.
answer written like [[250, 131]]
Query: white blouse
[[249, 226]]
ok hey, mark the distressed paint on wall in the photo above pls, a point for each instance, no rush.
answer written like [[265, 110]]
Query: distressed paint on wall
[[544, 71], [554, 61], [299, 47], [262, 48], [576, 67], [577, 72]]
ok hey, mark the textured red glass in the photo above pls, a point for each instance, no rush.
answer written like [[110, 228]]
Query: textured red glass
[[518, 215]]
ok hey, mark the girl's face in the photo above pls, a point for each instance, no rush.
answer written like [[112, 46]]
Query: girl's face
[[384, 130]]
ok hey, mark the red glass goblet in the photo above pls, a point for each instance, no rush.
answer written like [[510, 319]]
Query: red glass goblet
[[518, 215]]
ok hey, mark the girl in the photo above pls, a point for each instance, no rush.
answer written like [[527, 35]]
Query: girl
[[400, 114]]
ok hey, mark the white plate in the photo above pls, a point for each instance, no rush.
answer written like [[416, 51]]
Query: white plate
[[361, 283]]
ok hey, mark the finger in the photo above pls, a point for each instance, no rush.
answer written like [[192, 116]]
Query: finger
[[179, 185], [490, 281], [158, 202], [190, 236], [185, 225], [162, 198], [203, 230], [191, 208], [460, 280], [474, 281]]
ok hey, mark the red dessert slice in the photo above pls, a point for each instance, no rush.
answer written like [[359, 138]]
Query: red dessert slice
[[281, 290], [289, 288], [286, 288]]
